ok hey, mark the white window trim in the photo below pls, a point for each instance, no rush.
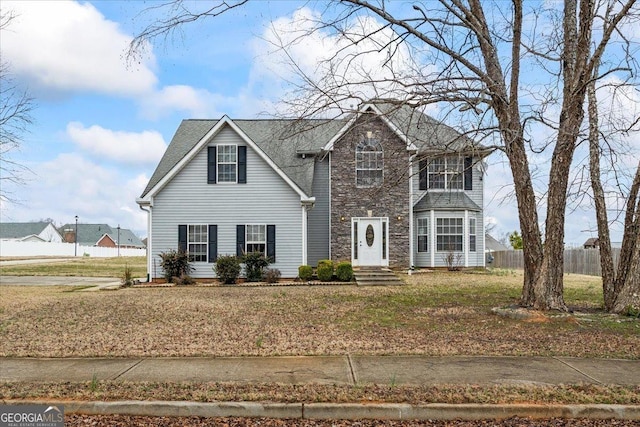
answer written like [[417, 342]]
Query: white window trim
[[370, 141], [205, 243], [449, 234], [418, 235], [218, 163], [447, 174], [254, 242], [475, 234]]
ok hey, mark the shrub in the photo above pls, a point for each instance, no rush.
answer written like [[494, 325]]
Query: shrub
[[227, 268], [254, 265], [344, 271], [305, 272], [327, 262], [127, 276], [175, 264], [271, 275], [325, 272], [184, 280]]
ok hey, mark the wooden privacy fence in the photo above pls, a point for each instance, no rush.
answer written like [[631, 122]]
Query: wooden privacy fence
[[576, 261]]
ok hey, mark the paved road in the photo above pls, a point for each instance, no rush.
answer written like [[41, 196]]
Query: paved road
[[58, 280]]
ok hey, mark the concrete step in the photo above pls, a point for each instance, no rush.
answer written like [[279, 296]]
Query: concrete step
[[376, 277]]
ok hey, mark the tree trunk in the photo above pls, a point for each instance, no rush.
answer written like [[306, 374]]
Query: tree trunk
[[628, 299], [627, 286], [604, 239]]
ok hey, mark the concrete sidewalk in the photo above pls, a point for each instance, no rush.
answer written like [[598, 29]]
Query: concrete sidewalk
[[349, 370]]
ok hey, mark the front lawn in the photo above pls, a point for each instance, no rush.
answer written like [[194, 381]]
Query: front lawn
[[434, 314]]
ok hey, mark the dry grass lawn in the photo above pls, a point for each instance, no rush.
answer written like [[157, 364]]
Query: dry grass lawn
[[435, 314]]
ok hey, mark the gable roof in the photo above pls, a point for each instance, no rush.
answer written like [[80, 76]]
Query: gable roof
[[284, 143], [90, 234], [18, 230], [492, 244]]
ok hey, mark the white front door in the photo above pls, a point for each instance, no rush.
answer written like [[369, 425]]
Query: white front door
[[369, 241]]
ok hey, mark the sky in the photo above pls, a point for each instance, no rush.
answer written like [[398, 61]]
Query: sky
[[102, 123]]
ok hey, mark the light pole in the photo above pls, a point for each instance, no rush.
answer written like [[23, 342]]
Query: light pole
[[75, 239], [118, 242]]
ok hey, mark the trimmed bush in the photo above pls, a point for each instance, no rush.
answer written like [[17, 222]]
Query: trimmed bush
[[271, 275], [305, 272], [175, 264], [254, 265], [324, 272], [327, 262], [344, 271], [227, 268]]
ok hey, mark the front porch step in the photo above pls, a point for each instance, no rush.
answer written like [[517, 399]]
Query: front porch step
[[368, 276]]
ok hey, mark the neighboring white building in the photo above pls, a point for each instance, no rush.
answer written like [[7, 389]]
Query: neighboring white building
[[29, 232]]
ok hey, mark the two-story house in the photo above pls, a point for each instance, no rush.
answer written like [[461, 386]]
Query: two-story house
[[386, 186]]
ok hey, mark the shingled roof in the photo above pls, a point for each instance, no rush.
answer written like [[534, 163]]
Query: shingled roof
[[18, 230], [285, 140]]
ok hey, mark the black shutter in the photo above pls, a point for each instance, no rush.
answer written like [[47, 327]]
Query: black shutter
[[182, 238], [422, 175], [468, 173], [242, 164], [271, 243], [211, 165], [240, 240], [213, 243]]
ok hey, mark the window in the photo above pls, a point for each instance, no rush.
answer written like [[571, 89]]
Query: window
[[197, 242], [449, 234], [472, 234], [444, 173], [423, 235], [227, 163], [256, 240], [369, 162]]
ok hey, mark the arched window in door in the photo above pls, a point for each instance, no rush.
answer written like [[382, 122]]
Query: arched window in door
[[369, 162]]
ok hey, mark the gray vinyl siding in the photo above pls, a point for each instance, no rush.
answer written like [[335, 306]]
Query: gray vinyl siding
[[423, 259], [265, 199], [318, 219]]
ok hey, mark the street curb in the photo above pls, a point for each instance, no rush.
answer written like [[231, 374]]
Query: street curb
[[346, 411]]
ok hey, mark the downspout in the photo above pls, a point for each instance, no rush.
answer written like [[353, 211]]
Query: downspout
[[148, 211]]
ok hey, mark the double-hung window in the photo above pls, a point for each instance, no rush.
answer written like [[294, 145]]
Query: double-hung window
[[445, 173], [449, 234], [369, 163], [472, 234], [256, 240], [423, 235], [197, 239], [227, 163]]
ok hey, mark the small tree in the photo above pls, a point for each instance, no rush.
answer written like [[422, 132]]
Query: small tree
[[175, 264], [515, 239]]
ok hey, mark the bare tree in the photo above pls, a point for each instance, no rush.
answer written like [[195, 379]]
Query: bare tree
[[15, 119], [620, 284], [468, 57]]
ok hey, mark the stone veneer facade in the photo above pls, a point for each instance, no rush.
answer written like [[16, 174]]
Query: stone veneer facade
[[390, 200]]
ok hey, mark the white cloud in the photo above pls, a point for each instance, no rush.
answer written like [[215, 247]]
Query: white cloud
[[292, 54], [197, 103], [66, 46], [72, 185], [125, 147]]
